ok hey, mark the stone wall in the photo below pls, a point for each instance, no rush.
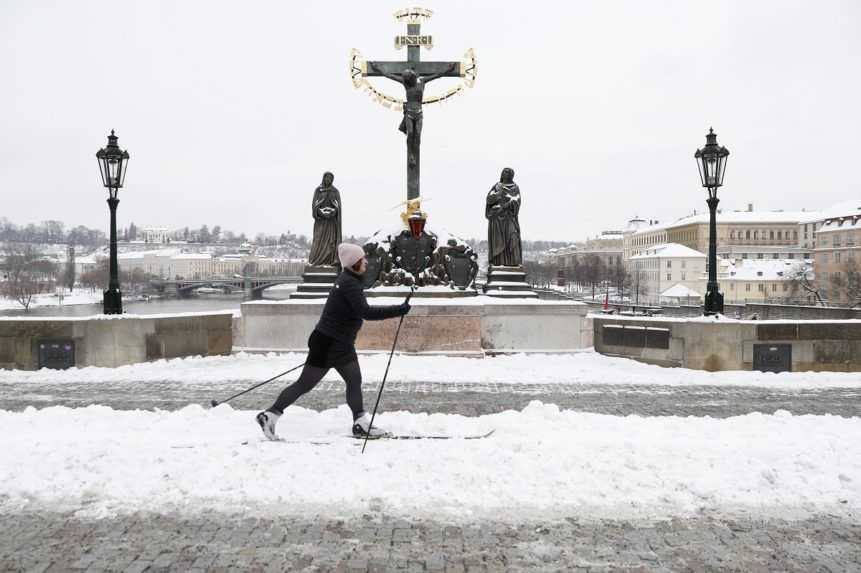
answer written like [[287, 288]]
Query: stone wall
[[762, 311], [714, 345], [111, 341], [453, 326]]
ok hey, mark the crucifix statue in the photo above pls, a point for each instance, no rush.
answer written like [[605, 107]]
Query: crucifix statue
[[413, 75]]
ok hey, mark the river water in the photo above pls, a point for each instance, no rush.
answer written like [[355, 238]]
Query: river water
[[152, 306]]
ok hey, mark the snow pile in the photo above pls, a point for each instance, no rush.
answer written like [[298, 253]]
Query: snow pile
[[541, 462], [586, 367]]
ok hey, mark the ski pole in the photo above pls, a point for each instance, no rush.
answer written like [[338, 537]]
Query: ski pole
[[383, 384], [215, 403]]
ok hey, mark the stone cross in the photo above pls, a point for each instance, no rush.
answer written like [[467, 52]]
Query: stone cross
[[413, 74]]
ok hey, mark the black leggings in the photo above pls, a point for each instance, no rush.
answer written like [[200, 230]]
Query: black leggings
[[311, 375]]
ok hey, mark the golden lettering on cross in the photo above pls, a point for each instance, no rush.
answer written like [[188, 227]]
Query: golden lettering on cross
[[413, 40]]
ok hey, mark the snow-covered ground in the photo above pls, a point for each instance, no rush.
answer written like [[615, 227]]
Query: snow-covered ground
[[541, 463], [78, 296], [586, 367]]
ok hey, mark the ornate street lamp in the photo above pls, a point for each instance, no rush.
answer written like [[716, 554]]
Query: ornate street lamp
[[112, 164], [711, 161]]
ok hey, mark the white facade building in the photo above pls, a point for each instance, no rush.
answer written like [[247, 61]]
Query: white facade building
[[154, 235], [660, 268], [754, 280]]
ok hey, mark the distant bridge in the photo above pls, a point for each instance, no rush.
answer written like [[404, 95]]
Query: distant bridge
[[253, 287]]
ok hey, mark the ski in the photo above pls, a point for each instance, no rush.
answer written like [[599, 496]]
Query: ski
[[317, 442], [313, 442], [425, 437]]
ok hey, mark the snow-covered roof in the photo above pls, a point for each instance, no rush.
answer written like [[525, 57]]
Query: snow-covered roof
[[680, 291], [841, 217], [748, 217], [90, 259], [843, 209], [850, 223], [192, 256], [669, 250], [759, 269], [635, 224]]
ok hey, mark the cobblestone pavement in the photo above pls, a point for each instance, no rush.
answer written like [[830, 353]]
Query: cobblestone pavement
[[42, 542], [47, 541], [454, 398]]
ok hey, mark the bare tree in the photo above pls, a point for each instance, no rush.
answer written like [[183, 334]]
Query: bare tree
[[593, 272], [540, 275], [848, 282], [801, 281], [97, 277], [27, 273]]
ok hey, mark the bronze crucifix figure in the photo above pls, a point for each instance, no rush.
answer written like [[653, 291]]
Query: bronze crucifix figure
[[413, 74]]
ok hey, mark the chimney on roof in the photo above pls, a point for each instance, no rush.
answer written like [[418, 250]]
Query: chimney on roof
[[750, 207]]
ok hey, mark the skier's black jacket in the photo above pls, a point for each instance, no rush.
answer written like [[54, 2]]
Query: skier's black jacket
[[347, 307]]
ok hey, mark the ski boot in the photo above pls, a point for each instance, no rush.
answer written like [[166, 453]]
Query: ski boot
[[267, 421], [361, 426]]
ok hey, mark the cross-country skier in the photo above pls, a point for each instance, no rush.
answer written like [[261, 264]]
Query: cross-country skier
[[332, 344]]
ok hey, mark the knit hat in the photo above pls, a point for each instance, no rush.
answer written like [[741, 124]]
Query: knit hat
[[349, 254]]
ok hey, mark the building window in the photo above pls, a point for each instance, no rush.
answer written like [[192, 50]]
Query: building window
[[683, 276], [755, 235], [759, 255], [669, 276], [669, 264], [683, 264], [785, 287], [795, 235], [774, 287], [760, 287], [747, 287], [836, 257], [771, 235], [775, 255], [747, 234]]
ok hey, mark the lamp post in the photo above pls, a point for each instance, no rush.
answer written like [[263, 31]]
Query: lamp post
[[112, 165], [711, 161]]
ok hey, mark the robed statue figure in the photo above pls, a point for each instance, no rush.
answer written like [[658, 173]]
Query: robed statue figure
[[326, 210], [503, 229]]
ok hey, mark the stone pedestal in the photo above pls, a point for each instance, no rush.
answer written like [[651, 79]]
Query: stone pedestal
[[508, 282], [317, 281], [461, 326]]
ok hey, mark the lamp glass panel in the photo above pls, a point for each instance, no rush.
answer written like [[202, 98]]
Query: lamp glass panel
[[700, 168], [124, 167], [113, 167], [721, 167], [103, 170], [711, 170]]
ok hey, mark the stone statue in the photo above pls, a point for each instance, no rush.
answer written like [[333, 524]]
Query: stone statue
[[503, 229], [326, 210]]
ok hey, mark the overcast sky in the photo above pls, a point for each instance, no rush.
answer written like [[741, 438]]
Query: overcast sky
[[233, 110]]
